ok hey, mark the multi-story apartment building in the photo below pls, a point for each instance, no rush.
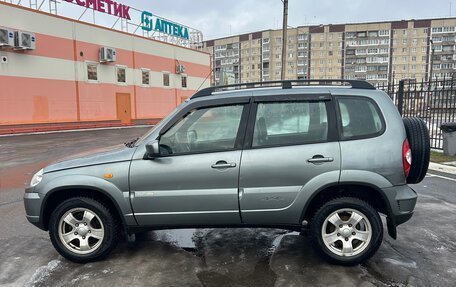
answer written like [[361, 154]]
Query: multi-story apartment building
[[379, 52], [443, 45], [225, 59]]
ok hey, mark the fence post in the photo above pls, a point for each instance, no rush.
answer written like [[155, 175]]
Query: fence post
[[400, 97]]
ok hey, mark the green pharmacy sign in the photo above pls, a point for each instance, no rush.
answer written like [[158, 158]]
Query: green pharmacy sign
[[149, 22]]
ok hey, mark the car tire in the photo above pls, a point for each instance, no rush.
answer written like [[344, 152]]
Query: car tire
[[349, 238], [418, 137], [83, 230]]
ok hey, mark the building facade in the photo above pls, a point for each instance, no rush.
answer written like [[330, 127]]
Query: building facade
[[63, 80], [379, 52]]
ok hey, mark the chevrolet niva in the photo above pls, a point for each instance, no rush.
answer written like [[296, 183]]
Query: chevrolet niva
[[325, 157]]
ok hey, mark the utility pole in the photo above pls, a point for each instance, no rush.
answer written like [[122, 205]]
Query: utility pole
[[432, 62], [284, 38]]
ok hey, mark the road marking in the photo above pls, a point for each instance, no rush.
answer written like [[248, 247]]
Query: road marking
[[440, 176]]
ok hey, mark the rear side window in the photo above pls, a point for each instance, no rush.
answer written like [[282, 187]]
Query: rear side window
[[290, 123], [360, 118]]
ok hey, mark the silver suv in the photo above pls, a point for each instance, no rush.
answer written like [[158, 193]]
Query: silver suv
[[321, 157]]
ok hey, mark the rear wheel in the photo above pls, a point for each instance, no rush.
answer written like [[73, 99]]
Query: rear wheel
[[346, 231], [83, 230], [418, 137]]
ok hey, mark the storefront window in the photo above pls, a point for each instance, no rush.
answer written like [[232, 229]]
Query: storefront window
[[145, 77], [121, 75], [92, 71], [166, 79]]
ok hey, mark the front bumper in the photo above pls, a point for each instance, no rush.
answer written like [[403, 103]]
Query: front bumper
[[32, 204]]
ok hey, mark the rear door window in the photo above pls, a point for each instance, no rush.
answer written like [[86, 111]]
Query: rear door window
[[288, 123], [359, 118]]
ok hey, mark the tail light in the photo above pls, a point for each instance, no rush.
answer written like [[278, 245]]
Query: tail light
[[406, 157]]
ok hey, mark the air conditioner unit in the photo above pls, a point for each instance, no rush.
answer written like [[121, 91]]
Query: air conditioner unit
[[180, 69], [24, 40], [107, 54], [6, 37]]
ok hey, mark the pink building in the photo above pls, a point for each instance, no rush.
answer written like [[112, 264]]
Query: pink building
[[64, 82]]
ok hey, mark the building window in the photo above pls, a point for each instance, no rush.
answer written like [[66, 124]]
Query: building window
[[166, 79], [184, 81], [145, 77], [383, 33], [92, 72], [121, 75]]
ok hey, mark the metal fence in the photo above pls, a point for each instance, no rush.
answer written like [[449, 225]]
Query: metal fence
[[434, 102]]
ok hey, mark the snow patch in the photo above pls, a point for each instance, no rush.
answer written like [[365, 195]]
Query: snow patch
[[401, 263], [442, 248], [42, 272]]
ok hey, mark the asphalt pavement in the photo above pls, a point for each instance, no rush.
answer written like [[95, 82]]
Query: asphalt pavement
[[424, 253]]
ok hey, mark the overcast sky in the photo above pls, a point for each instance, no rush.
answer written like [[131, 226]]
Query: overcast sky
[[221, 18]]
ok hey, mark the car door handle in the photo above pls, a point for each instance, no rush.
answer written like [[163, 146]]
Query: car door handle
[[223, 164], [320, 159]]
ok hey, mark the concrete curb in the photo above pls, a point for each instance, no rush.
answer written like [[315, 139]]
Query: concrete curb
[[76, 130], [442, 168]]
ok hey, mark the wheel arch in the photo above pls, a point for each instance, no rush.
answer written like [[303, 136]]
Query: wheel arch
[[361, 190], [54, 197]]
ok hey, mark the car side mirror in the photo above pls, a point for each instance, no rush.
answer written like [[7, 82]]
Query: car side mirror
[[152, 150]]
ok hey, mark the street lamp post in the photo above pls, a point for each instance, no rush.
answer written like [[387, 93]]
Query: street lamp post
[[284, 38]]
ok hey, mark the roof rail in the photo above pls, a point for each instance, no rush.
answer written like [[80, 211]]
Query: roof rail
[[287, 84]]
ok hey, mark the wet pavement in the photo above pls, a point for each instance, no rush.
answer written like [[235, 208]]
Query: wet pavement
[[423, 255]]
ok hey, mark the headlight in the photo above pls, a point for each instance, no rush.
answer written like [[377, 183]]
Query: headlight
[[36, 178]]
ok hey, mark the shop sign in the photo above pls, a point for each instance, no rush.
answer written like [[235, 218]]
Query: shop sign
[[150, 22], [105, 6]]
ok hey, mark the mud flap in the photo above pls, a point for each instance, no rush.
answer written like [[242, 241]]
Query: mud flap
[[391, 227], [131, 240]]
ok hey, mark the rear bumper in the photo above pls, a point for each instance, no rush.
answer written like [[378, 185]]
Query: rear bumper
[[402, 200]]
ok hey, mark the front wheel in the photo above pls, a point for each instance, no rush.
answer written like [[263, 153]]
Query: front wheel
[[83, 230], [346, 231]]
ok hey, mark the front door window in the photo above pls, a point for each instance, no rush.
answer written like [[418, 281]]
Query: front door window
[[203, 130]]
